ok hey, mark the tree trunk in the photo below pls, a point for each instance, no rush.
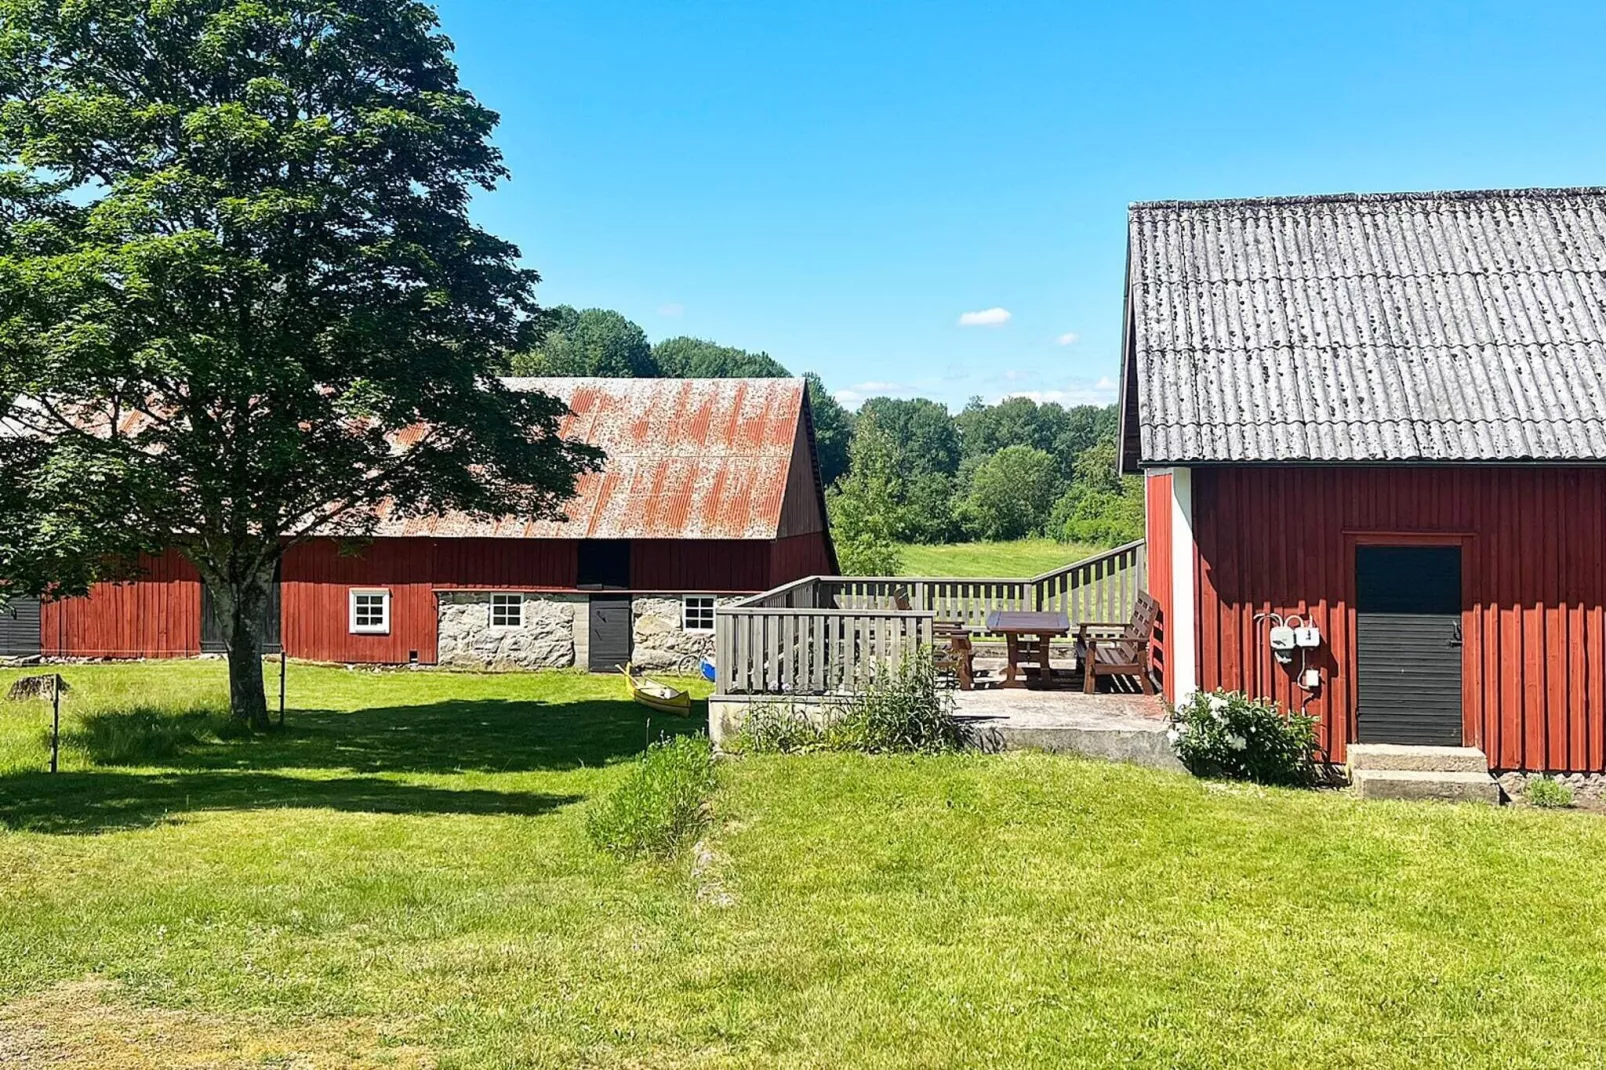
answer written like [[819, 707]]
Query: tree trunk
[[239, 605]]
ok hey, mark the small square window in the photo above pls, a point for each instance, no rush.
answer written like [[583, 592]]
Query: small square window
[[697, 615], [370, 612], [507, 610]]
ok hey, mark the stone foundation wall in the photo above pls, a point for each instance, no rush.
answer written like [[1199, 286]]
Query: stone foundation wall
[[552, 636], [1584, 785], [659, 641]]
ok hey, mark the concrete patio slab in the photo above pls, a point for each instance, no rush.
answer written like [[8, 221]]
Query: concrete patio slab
[[1126, 728]]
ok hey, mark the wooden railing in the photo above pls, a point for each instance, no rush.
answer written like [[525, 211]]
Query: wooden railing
[[1101, 587], [947, 598], [810, 651], [823, 634]]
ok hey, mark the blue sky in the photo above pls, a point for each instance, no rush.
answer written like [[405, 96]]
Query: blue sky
[[839, 183]]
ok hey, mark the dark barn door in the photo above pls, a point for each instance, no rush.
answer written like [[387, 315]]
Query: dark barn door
[[19, 628], [212, 627], [1408, 644], [610, 632]]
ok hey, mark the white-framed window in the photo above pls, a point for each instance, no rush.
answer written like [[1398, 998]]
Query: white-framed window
[[697, 613], [507, 611], [370, 611]]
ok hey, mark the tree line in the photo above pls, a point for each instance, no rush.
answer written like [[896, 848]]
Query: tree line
[[901, 470]]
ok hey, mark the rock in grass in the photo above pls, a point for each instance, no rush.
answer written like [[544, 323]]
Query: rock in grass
[[36, 687]]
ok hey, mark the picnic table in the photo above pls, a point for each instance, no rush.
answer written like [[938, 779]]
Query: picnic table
[[1017, 624]]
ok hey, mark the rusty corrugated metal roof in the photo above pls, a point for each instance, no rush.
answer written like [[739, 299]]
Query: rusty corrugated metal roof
[[1355, 328], [687, 459]]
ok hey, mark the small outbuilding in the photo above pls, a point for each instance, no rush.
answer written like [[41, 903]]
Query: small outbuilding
[[1373, 430], [710, 490]]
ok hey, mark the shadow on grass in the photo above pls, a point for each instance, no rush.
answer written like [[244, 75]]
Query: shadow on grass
[[83, 803], [459, 735], [206, 766]]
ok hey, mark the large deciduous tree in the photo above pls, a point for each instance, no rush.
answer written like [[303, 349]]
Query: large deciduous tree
[[241, 300]]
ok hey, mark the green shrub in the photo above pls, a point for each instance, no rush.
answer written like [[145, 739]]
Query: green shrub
[[904, 709], [661, 802], [1227, 734], [775, 728], [1549, 793], [1097, 516]]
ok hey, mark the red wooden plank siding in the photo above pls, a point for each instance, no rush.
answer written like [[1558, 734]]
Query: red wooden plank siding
[[1157, 503], [679, 565], [529, 564], [157, 616], [1534, 588], [317, 581], [798, 556]]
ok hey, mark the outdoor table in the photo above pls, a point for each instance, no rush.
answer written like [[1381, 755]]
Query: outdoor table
[[1013, 625]]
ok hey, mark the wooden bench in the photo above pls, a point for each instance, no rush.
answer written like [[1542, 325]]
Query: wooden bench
[[1124, 648], [954, 652]]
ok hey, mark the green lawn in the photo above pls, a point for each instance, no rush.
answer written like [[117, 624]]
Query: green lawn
[[403, 879], [1019, 558]]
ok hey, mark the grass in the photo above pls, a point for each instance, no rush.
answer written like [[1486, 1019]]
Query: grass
[[403, 878], [1021, 557]]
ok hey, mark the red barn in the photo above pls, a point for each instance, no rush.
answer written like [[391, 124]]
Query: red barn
[[711, 489], [1382, 418]]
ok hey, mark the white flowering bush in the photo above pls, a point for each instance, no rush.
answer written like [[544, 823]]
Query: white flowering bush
[[1228, 734]]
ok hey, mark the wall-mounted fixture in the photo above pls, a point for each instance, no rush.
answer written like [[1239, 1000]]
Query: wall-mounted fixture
[[1289, 634]]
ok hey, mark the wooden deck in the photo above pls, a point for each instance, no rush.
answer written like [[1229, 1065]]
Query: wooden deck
[[823, 635]]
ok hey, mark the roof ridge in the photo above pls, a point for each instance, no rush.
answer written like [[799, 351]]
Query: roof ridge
[[1531, 193]]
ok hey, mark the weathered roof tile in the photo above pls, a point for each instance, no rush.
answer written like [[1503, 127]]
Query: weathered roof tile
[[1433, 326], [686, 459]]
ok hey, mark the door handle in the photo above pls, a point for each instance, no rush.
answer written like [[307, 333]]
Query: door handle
[[1455, 636]]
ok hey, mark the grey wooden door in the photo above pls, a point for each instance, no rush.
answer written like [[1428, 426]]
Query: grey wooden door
[[1408, 644], [19, 628], [610, 632]]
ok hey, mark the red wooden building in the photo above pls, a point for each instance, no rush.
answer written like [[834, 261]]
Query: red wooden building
[[1384, 418], [711, 489]]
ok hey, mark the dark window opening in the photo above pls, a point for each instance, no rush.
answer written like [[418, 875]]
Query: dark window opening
[[604, 563]]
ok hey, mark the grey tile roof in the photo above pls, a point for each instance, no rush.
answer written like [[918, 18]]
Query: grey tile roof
[[1398, 327]]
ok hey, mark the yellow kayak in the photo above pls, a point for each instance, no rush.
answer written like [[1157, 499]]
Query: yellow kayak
[[656, 696]]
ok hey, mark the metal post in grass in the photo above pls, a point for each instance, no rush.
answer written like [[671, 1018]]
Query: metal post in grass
[[55, 723], [283, 661]]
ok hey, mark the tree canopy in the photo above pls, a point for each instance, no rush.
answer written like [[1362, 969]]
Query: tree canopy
[[595, 341], [235, 262], [696, 358]]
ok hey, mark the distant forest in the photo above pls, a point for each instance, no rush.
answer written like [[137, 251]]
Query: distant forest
[[900, 470]]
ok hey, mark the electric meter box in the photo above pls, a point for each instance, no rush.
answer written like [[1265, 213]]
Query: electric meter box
[[1282, 638], [1309, 636]]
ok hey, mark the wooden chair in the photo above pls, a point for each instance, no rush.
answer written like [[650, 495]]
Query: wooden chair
[[953, 652], [1123, 653]]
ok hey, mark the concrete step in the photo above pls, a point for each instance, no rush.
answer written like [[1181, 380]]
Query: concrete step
[[1425, 784], [1416, 759]]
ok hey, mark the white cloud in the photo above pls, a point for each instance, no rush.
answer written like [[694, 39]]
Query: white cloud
[[987, 317], [859, 393], [1101, 391], [1069, 338], [673, 309]]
